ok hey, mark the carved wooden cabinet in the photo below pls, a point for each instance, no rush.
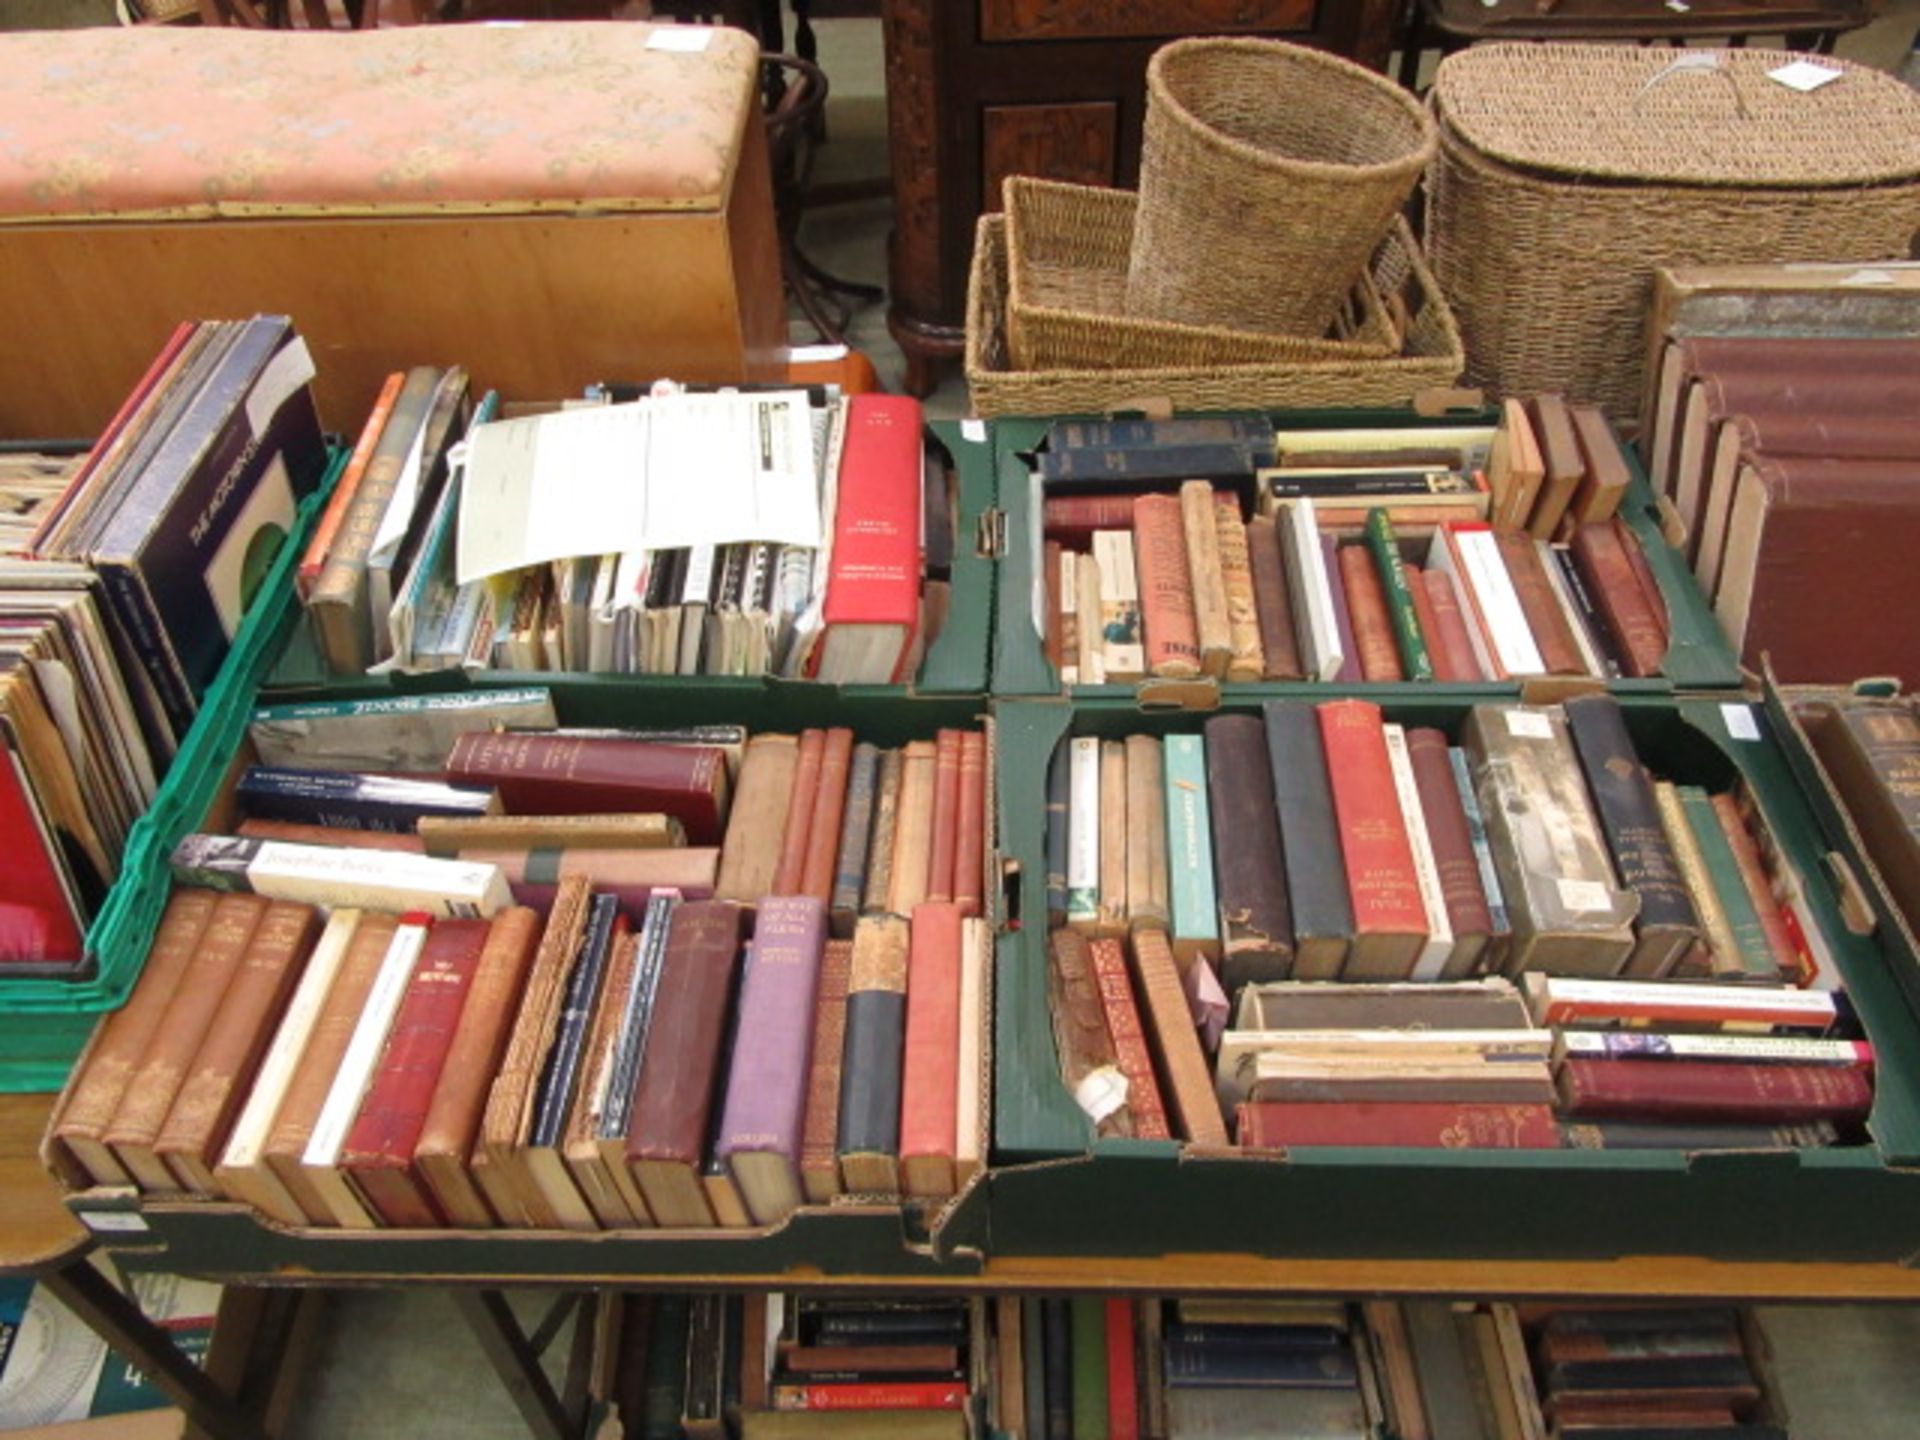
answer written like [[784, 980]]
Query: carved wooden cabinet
[[981, 89]]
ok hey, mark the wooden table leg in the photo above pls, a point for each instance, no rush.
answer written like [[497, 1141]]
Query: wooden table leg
[[516, 1361]]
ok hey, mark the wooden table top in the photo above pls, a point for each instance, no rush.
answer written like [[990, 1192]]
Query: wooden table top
[[37, 1232]]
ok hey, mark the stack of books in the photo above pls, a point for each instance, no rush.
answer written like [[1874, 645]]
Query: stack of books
[[788, 532], [1463, 555]]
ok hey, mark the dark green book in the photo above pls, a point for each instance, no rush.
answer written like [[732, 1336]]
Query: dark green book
[[1310, 839], [1414, 659], [1089, 1368], [1033, 1360], [666, 1369], [1753, 957]]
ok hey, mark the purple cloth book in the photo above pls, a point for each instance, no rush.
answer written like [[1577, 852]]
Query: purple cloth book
[[772, 1051], [1342, 617]]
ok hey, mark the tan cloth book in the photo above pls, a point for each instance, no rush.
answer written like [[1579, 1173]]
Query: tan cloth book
[[750, 853], [1149, 882], [913, 830], [1248, 660], [1212, 620]]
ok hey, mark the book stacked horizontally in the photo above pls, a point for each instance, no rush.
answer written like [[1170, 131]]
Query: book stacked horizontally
[[577, 980], [1455, 554], [790, 532], [1780, 423]]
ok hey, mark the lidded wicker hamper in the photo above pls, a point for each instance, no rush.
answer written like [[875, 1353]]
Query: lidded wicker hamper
[[1566, 173]]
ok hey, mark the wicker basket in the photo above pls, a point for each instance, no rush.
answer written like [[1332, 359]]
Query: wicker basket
[[1067, 249], [1566, 174], [1432, 356], [1268, 175]]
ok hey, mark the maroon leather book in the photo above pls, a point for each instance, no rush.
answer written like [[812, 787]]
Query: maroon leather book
[[946, 815], [1709, 1090], [562, 774], [792, 869], [1639, 640], [1548, 622], [829, 804], [1277, 1124], [1450, 625], [378, 1153], [1372, 624], [1072, 519], [1453, 853], [1279, 644]]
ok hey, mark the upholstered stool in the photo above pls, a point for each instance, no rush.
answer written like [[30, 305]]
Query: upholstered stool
[[546, 204]]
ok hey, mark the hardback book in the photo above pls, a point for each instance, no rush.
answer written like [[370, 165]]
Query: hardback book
[[913, 827], [1058, 779], [350, 801], [1279, 645], [767, 1086], [946, 815], [1607, 477], [1256, 922], [1133, 470], [1749, 956], [970, 843], [820, 1123], [1383, 888], [1212, 623], [1497, 630], [1172, 644], [534, 875], [1436, 955], [1517, 469], [1335, 1065], [330, 876], [871, 611], [1555, 1000], [973, 1117], [1053, 630], [1090, 648], [808, 758], [1148, 901], [320, 542], [1744, 1049], [1562, 460], [594, 1100], [1193, 1113], [1083, 832], [757, 820], [1455, 643], [394, 734], [1552, 634], [666, 1134], [1122, 651], [1712, 1090], [1871, 752], [1490, 1003], [1248, 661], [1310, 839], [1311, 588], [1379, 656], [1111, 917], [1450, 840], [1274, 1124], [829, 805], [1716, 935], [1501, 933], [1123, 1376], [1403, 608], [576, 775], [1569, 593], [1350, 672], [1089, 1057], [1130, 1049], [930, 1058], [1087, 1339], [447, 837], [1193, 930], [877, 892], [856, 833], [1068, 587], [870, 1080], [609, 1133], [1623, 798], [1567, 914], [1253, 432], [1639, 638]]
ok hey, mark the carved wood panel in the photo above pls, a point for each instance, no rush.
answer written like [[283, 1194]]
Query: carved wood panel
[[1077, 143], [1117, 19]]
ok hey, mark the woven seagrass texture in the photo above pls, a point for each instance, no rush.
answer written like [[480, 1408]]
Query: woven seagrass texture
[[1067, 250], [1268, 175], [1432, 354], [1549, 273]]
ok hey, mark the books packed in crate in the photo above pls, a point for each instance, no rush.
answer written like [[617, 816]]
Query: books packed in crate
[[1314, 927], [573, 980], [794, 532], [1223, 547], [125, 574]]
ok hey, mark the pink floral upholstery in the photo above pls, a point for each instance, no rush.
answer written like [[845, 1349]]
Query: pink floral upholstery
[[160, 122]]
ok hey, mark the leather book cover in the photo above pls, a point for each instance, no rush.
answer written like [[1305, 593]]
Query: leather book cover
[[869, 1138], [969, 853], [1071, 520], [1129, 1040], [1194, 1114], [1166, 587], [124, 1036], [1123, 1370], [1389, 918], [1639, 639], [1256, 922], [1450, 622], [1213, 629], [1089, 1060], [1751, 957], [878, 890], [1350, 672], [1871, 751], [875, 570], [1708, 1090], [1552, 635], [913, 830], [757, 822], [946, 815], [447, 838], [551, 774], [1562, 462], [1605, 484], [1310, 839], [930, 1053], [1053, 635], [1643, 572], [183, 1027], [1418, 596], [820, 1124], [1248, 661], [808, 760], [222, 1071], [1367, 610], [1402, 609], [1148, 883], [1111, 913], [1280, 1124], [1272, 601], [829, 805], [1453, 853], [856, 831], [1629, 815], [667, 1130]]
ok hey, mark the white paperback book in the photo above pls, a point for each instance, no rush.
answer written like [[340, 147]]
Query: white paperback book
[[1312, 590], [1083, 831], [1439, 947]]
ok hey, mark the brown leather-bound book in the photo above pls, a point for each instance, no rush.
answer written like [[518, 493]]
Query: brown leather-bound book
[[791, 870], [163, 1064], [473, 1059], [1604, 485], [1166, 587], [122, 1039], [497, 1159], [1444, 667], [878, 891], [1250, 879], [562, 774], [829, 803], [1194, 1114], [1638, 639], [667, 1133], [946, 815], [1112, 918], [1212, 626], [580, 1146], [1089, 1063], [1249, 661], [1451, 836], [1561, 460], [1450, 625], [970, 843], [757, 824], [222, 1071], [1056, 650], [1552, 635], [913, 830], [1149, 882], [1279, 645], [313, 1078], [820, 1125], [1372, 622], [1636, 554]]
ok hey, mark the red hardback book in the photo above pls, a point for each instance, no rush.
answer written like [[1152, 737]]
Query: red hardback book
[[1639, 639], [1389, 918], [38, 922], [870, 1395], [1450, 624], [1129, 1041], [970, 835], [792, 868], [829, 804], [1123, 1381], [378, 1153], [1468, 914], [1166, 585], [946, 814], [560, 774], [930, 1056], [1379, 656], [1708, 1090], [1072, 519], [1273, 1124], [872, 606], [1552, 634]]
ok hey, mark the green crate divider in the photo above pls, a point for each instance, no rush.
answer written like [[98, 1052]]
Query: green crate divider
[[47, 1022], [1699, 658], [1059, 1191]]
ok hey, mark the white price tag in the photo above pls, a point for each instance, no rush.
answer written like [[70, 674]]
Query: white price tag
[[113, 1222], [1529, 724], [816, 354], [974, 430], [1740, 722], [683, 39], [1101, 1093], [1803, 75], [1585, 895]]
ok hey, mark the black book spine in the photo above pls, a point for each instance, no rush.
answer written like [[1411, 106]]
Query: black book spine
[[1033, 1361], [870, 1073], [639, 1019], [1255, 432], [1132, 471], [1059, 802], [346, 800], [668, 1323], [562, 1070], [1702, 1372], [856, 827], [1633, 1321], [1057, 1342], [1309, 833], [1237, 1364], [1250, 873], [1629, 814]]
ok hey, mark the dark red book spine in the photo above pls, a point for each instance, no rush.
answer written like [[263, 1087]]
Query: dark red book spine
[[1273, 1124], [595, 775], [1072, 519], [1708, 1090], [1450, 624], [1123, 1382], [1373, 831], [1372, 624], [946, 815], [1632, 625], [829, 804], [969, 849], [792, 868], [1450, 834]]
